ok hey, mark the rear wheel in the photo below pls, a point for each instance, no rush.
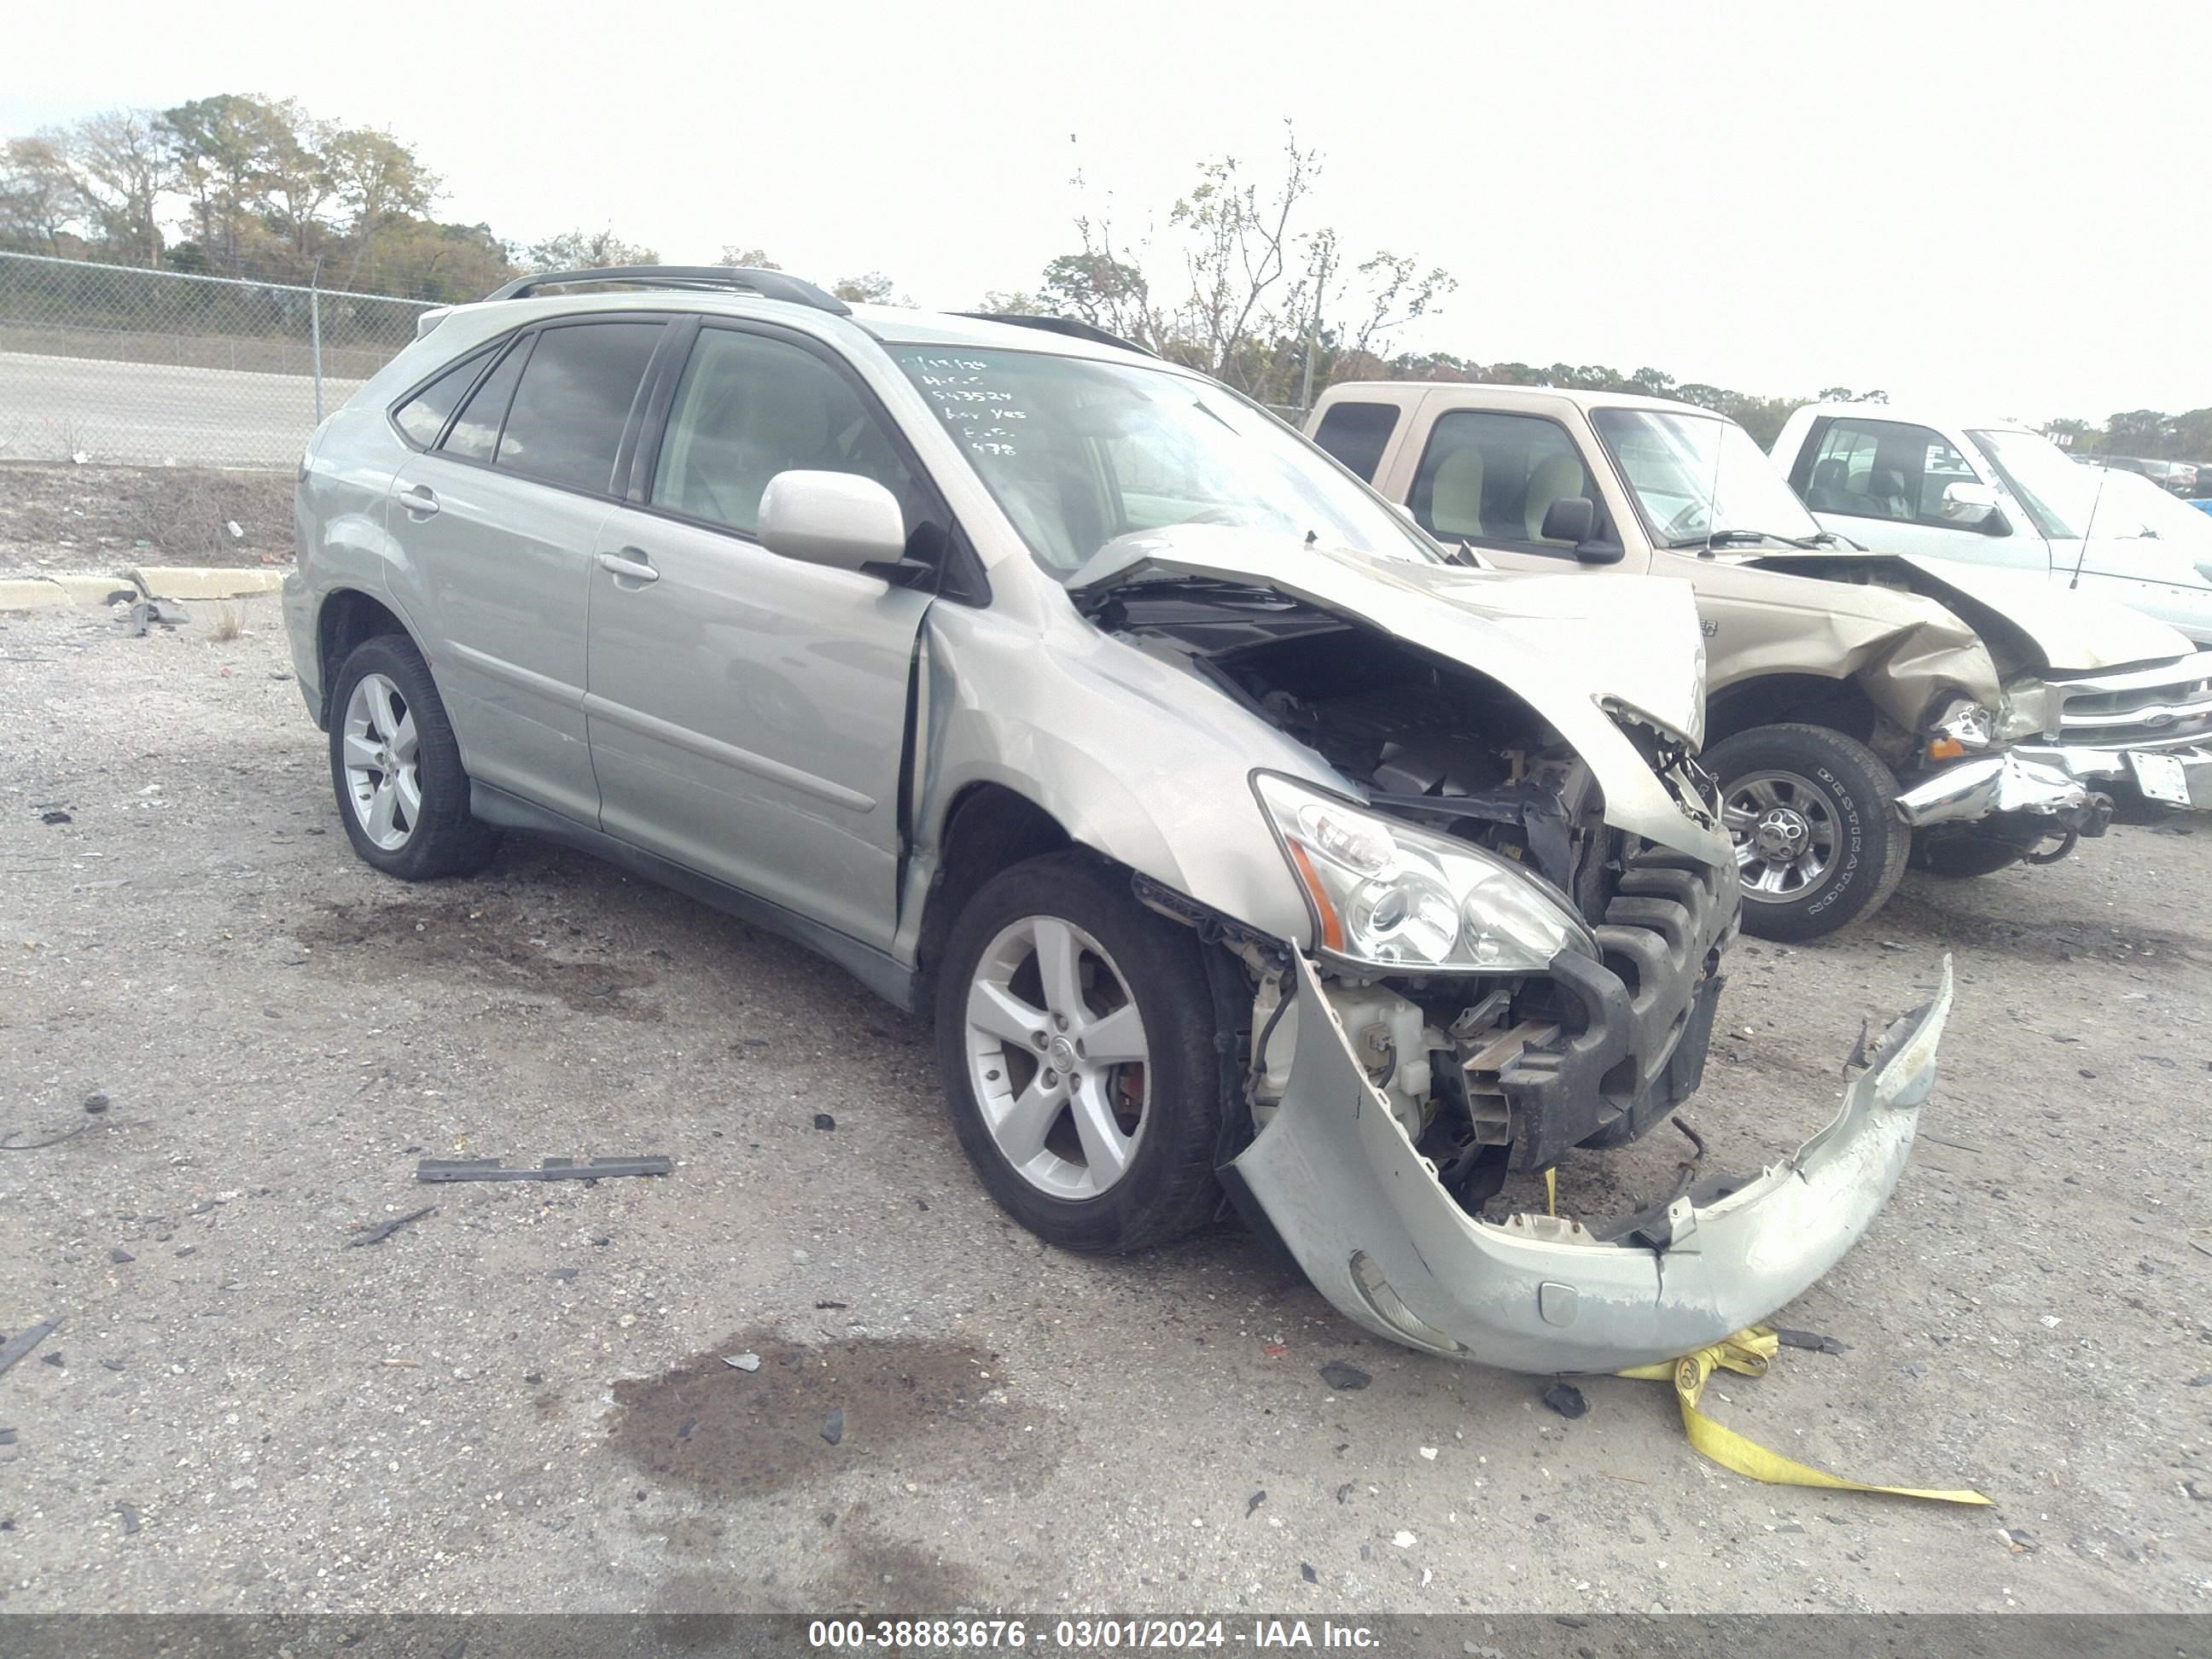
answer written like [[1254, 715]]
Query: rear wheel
[[1075, 1039], [1980, 848], [396, 767], [1818, 840]]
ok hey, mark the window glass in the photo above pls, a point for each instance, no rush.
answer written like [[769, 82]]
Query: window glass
[[1885, 469], [1358, 434], [750, 407], [574, 398], [423, 417], [1487, 476], [1078, 452], [476, 433], [1698, 476], [2060, 498]]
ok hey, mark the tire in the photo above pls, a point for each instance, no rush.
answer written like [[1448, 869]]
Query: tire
[[1840, 795], [383, 698], [1165, 1109], [1980, 848]]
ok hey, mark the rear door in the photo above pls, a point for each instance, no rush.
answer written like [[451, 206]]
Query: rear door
[[748, 713], [496, 520]]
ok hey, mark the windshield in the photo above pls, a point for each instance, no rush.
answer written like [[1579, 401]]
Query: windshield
[[2058, 494], [1078, 452], [1697, 476]]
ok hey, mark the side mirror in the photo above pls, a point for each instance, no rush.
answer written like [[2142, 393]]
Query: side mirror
[[1967, 505], [836, 518], [1570, 519]]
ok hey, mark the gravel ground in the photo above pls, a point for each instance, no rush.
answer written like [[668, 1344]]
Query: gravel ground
[[519, 1400]]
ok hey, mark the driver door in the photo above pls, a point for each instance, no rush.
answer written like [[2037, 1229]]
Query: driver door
[[1488, 479], [747, 713]]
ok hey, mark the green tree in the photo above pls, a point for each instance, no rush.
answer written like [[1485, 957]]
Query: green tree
[[585, 250]]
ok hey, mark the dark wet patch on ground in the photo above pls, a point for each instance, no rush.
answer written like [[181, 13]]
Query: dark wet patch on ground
[[923, 1408], [488, 939]]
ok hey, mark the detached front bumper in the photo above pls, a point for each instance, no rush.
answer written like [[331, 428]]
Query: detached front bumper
[[1365, 1218], [2015, 781]]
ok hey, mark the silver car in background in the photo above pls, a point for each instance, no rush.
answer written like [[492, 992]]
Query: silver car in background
[[1243, 848]]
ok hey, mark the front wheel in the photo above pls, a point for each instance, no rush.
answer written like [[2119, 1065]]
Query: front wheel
[[1075, 1039], [1818, 840]]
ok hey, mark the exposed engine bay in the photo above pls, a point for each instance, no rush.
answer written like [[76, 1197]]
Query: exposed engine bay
[[1486, 1072]]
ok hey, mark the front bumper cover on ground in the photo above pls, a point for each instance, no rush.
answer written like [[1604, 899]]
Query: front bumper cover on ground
[[2010, 783], [1364, 1215]]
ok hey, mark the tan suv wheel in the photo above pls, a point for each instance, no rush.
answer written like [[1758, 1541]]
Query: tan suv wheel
[[1812, 813]]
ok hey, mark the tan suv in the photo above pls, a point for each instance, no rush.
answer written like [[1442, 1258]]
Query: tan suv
[[1903, 709]]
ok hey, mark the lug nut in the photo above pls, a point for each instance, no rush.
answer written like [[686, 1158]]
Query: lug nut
[[1051, 1078], [1037, 1037], [1060, 1021]]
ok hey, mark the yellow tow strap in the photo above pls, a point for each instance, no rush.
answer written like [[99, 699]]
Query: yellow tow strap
[[1750, 1352]]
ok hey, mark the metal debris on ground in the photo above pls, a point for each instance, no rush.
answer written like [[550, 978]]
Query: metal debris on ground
[[1566, 1399], [1306, 1572], [141, 617], [1344, 1378], [742, 1362], [823, 1121], [1255, 1501], [833, 1426], [24, 1340], [1811, 1342], [56, 817], [376, 1235], [554, 1168], [130, 1518]]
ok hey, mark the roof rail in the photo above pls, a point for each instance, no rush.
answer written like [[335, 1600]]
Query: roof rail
[[768, 284], [1070, 326]]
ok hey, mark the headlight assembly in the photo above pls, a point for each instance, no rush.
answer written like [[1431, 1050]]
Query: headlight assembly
[[1966, 728], [1386, 896]]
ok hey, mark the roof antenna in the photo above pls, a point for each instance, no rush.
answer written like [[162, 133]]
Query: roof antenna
[[2081, 558]]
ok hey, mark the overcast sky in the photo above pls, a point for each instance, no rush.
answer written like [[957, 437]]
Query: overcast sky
[[2000, 206]]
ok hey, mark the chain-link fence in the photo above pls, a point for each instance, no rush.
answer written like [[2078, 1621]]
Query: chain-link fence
[[113, 363]]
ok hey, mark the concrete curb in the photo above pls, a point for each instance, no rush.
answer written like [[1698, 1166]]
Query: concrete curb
[[145, 580]]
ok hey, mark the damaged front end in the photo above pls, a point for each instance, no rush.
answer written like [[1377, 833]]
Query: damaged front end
[[1367, 1215]]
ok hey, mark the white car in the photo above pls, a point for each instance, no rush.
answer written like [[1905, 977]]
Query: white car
[[1994, 493]]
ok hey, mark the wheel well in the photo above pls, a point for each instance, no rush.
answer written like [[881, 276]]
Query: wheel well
[[348, 617], [1804, 699], [989, 829]]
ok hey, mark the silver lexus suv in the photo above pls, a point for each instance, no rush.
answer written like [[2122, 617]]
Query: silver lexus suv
[[1244, 849]]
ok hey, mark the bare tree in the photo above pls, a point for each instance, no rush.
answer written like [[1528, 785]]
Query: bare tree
[[749, 258], [873, 289], [40, 198], [585, 250], [124, 167]]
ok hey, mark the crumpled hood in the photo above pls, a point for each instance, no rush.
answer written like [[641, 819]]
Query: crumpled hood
[[1559, 643], [2070, 631]]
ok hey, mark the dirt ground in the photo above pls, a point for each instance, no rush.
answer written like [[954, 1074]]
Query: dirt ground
[[520, 1401], [103, 519]]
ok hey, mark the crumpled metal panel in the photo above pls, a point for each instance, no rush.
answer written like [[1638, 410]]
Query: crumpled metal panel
[[1559, 643], [1364, 1216], [1996, 783]]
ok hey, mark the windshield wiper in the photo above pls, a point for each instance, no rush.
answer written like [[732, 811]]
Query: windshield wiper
[[1744, 538]]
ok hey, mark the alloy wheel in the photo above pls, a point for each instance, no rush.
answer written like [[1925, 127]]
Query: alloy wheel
[[1057, 1057]]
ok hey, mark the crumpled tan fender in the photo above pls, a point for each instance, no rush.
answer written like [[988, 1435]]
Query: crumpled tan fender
[[1906, 652]]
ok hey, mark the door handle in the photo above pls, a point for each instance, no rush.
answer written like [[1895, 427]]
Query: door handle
[[421, 500], [629, 565]]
